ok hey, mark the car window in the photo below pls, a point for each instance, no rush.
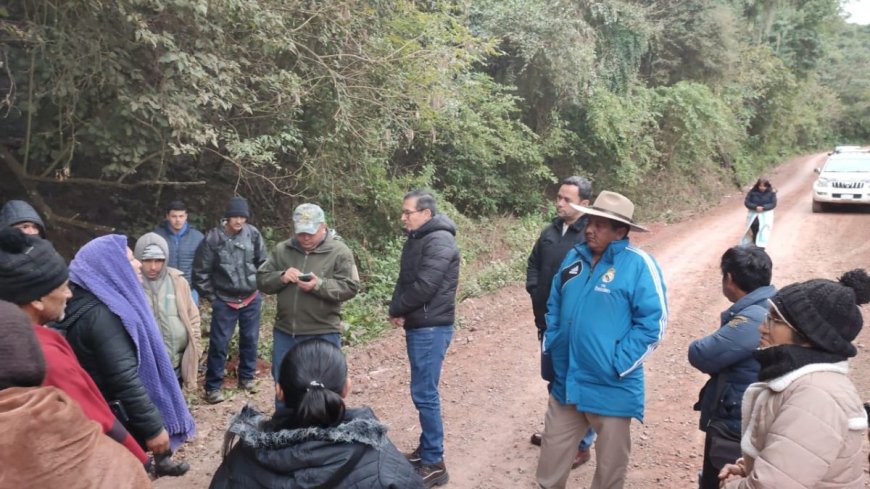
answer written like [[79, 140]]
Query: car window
[[849, 164]]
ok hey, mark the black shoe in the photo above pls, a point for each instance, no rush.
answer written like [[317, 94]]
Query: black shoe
[[536, 439], [414, 457], [433, 474], [163, 465]]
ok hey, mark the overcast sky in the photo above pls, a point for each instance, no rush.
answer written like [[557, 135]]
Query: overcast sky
[[859, 11]]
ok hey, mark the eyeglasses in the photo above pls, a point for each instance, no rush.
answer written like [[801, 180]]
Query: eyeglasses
[[408, 213]]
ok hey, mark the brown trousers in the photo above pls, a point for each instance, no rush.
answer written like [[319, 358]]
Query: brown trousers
[[564, 427]]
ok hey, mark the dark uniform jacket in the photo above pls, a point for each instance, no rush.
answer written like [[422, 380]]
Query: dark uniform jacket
[[544, 261], [225, 266], [726, 355], [425, 293], [108, 354], [355, 454], [756, 198]]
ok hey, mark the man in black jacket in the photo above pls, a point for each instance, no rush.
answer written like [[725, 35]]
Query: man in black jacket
[[225, 274], [424, 303], [566, 230]]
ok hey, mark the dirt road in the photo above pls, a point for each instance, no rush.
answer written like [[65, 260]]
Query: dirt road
[[493, 397]]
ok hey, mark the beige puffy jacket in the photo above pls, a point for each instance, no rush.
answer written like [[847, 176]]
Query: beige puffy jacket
[[803, 430], [188, 312]]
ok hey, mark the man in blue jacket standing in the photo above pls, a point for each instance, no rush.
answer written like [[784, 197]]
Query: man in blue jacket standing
[[183, 240], [606, 313], [726, 355]]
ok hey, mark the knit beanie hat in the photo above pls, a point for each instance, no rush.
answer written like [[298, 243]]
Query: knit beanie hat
[[827, 312], [21, 361], [30, 268], [237, 207]]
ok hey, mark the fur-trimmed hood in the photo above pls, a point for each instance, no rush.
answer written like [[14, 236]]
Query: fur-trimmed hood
[[360, 426]]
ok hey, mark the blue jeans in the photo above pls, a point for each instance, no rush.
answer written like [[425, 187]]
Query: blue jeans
[[283, 342], [426, 350], [223, 323]]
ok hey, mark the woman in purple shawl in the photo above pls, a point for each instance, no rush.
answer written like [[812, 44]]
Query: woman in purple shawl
[[111, 328]]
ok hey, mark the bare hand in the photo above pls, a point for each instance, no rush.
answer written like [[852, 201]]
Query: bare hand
[[291, 275], [158, 444], [732, 471], [397, 322], [759, 209], [309, 285]]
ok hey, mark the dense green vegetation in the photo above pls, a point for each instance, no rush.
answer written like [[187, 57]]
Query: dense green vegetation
[[109, 110]]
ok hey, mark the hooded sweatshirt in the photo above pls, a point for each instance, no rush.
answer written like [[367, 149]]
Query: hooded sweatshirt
[[176, 314]]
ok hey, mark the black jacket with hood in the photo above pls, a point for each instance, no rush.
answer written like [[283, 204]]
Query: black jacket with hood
[[17, 211], [355, 454], [425, 293], [544, 261]]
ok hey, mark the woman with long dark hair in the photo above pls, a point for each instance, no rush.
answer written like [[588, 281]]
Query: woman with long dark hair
[[760, 202], [315, 440]]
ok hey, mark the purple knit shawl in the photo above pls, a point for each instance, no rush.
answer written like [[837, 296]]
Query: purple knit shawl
[[101, 267]]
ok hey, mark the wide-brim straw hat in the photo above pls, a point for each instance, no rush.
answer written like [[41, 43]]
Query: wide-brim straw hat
[[612, 206]]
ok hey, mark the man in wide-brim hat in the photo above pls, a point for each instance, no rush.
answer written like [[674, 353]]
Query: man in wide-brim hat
[[614, 315]]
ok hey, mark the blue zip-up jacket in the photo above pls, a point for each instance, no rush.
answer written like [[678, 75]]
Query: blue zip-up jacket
[[602, 323], [182, 247], [727, 353]]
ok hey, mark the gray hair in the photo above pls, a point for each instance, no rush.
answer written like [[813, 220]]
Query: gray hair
[[584, 187], [425, 200]]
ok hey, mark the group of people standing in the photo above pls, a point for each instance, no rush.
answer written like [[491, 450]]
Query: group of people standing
[[119, 331], [114, 338]]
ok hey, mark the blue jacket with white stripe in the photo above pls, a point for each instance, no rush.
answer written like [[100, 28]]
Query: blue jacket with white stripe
[[602, 322]]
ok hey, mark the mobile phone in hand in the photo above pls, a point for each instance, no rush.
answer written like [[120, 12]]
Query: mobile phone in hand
[[305, 277]]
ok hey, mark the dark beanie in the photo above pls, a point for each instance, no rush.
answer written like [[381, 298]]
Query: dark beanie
[[30, 268], [21, 361], [827, 312], [237, 207]]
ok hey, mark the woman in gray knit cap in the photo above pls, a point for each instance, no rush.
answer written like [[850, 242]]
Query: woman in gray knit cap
[[803, 422]]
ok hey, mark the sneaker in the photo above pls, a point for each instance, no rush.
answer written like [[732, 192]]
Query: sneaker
[[414, 457], [433, 474], [581, 458], [214, 397], [536, 439], [164, 465], [248, 385]]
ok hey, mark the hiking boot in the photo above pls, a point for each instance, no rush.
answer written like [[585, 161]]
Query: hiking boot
[[214, 397], [433, 474], [163, 465], [581, 458], [414, 457], [536, 439], [248, 385]]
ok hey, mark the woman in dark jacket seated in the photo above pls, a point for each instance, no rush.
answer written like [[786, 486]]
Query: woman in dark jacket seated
[[112, 331], [314, 441]]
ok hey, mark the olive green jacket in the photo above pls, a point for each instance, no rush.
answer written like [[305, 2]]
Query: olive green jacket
[[318, 311]]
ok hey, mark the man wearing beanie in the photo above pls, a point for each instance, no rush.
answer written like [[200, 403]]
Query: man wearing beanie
[[176, 314], [35, 278], [804, 423], [225, 274], [47, 439], [19, 214]]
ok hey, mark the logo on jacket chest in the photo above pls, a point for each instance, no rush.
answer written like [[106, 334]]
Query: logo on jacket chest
[[608, 277]]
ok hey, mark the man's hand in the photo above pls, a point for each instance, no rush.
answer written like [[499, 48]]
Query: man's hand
[[159, 443], [309, 285], [397, 322], [759, 209], [291, 275]]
